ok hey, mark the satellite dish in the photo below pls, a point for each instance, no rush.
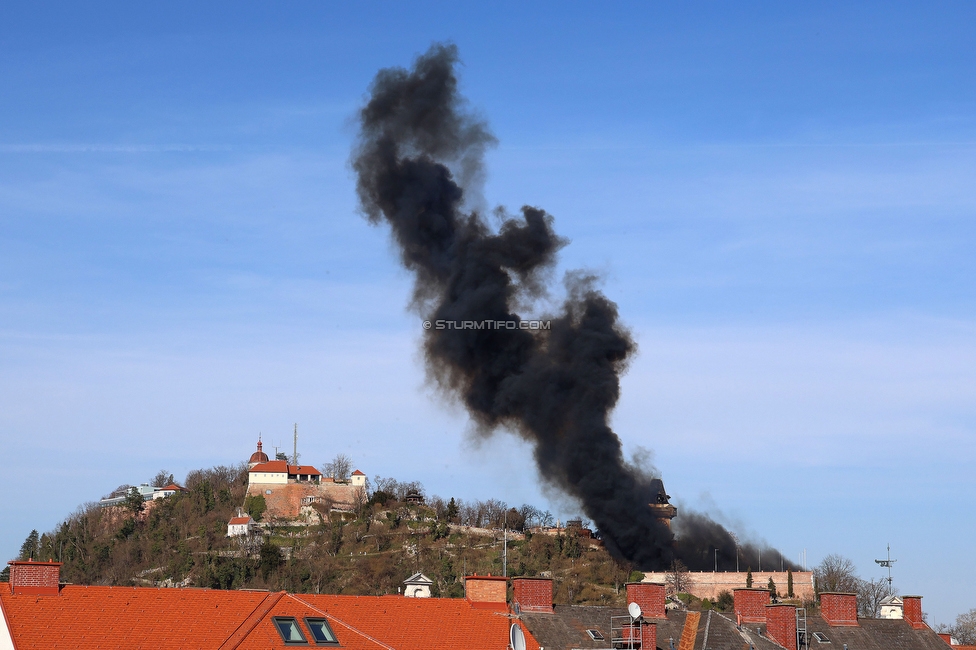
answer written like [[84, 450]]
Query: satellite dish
[[634, 610], [517, 637]]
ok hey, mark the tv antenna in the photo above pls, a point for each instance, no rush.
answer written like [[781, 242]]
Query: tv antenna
[[295, 456], [886, 563]]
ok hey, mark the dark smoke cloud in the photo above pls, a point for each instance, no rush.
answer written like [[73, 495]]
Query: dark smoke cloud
[[417, 146]]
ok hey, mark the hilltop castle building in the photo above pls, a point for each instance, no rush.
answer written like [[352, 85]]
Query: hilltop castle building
[[293, 492]]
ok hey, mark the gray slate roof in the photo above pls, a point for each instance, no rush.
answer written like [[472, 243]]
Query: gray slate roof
[[418, 579], [874, 634], [565, 629]]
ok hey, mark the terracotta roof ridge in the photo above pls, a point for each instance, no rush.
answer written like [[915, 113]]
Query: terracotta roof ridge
[[342, 623], [251, 621]]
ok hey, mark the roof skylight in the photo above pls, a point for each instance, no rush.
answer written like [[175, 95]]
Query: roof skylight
[[321, 632], [290, 632]]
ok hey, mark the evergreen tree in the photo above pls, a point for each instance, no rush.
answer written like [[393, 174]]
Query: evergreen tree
[[255, 505], [749, 578], [28, 550], [771, 586], [789, 583], [271, 559], [451, 514], [134, 501]]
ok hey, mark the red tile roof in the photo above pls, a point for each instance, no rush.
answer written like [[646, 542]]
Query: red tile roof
[[239, 520], [358, 473], [419, 623], [282, 467], [174, 487], [126, 617], [133, 617]]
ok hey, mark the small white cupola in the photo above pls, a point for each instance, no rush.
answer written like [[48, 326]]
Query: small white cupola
[[417, 586]]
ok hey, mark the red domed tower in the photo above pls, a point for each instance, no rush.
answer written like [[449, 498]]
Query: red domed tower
[[257, 457]]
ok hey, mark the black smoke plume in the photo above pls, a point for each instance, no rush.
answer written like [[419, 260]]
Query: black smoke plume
[[417, 150]]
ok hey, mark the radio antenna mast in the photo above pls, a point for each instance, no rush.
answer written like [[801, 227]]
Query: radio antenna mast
[[887, 564]]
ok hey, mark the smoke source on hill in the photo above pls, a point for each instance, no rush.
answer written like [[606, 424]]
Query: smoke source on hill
[[418, 150]]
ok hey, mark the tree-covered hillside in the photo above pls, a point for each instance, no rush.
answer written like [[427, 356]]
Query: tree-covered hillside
[[182, 540]]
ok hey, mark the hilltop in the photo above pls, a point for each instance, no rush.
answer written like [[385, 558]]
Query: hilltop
[[181, 540]]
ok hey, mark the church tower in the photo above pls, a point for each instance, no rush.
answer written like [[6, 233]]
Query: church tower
[[257, 457]]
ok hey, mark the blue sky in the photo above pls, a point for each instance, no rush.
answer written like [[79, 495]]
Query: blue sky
[[779, 197]]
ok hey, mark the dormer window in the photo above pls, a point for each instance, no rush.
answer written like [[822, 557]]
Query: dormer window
[[321, 632], [290, 633]]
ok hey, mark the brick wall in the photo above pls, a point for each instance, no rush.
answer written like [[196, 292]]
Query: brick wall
[[649, 639], [638, 635], [491, 590], [533, 594], [38, 578], [781, 625], [912, 608], [708, 584], [650, 597], [839, 609], [750, 604]]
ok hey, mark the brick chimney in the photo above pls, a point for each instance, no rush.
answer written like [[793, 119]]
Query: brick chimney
[[649, 635], [650, 597], [640, 634], [486, 591], [839, 609], [912, 609], [781, 624], [35, 578], [749, 604], [533, 594]]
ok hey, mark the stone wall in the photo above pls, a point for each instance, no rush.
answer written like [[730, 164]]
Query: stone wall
[[708, 584], [285, 501]]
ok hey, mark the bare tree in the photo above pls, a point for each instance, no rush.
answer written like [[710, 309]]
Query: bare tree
[[836, 573], [409, 487], [870, 593], [965, 628], [162, 479], [338, 468], [120, 491], [676, 578], [530, 514], [494, 511], [398, 489], [468, 513], [360, 499]]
